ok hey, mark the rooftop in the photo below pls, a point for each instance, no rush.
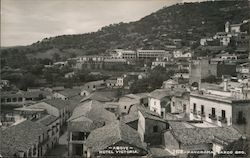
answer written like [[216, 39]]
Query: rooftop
[[20, 137], [102, 96], [192, 136], [179, 124], [133, 114], [70, 92], [218, 98], [161, 93], [111, 134], [57, 103], [90, 115], [25, 94], [47, 120]]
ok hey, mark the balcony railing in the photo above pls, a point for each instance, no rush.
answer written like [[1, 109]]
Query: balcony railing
[[212, 117], [222, 119]]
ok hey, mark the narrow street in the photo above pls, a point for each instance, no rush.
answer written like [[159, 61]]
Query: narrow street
[[60, 149]]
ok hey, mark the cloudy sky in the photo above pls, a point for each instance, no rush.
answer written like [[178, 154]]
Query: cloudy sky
[[26, 21]]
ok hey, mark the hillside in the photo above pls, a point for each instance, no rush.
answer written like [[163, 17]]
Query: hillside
[[188, 21]]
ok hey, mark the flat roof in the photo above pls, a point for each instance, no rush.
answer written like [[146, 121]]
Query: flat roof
[[219, 98]]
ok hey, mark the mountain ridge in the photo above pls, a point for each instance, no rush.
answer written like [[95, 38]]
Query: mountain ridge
[[187, 21]]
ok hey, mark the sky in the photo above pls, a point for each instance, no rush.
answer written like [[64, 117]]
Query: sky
[[24, 22]]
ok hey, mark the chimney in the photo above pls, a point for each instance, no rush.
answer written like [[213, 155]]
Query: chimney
[[225, 85]]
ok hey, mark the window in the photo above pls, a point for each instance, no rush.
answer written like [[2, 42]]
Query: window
[[2, 100], [241, 119], [14, 99], [184, 107], [223, 113], [155, 129], [173, 103], [125, 107], [194, 107], [240, 115], [202, 109], [213, 111], [20, 99], [8, 99]]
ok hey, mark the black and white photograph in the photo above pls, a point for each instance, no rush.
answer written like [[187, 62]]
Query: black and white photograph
[[125, 78]]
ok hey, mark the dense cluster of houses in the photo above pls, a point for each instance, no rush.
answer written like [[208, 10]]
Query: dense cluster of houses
[[186, 116]]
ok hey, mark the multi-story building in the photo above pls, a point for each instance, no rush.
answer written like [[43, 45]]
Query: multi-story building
[[182, 53], [25, 139], [87, 117], [243, 70], [220, 109], [67, 94], [148, 124], [150, 53], [56, 107], [23, 97]]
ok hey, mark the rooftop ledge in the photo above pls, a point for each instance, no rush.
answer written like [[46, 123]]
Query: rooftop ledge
[[220, 98]]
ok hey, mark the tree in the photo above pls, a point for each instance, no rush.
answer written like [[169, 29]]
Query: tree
[[56, 57]]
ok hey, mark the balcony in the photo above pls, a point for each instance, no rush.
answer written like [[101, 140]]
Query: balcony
[[222, 119], [212, 117]]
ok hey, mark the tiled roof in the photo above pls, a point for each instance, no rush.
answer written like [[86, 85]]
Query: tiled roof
[[57, 103], [115, 132], [70, 92], [147, 114], [179, 124], [83, 124], [100, 96], [91, 112], [47, 120], [161, 93], [20, 137], [74, 102], [99, 82], [192, 136], [160, 153], [26, 94]]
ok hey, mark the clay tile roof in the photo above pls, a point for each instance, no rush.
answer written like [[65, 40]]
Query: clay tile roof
[[161, 93], [191, 136], [47, 120], [70, 92], [147, 114], [20, 137], [57, 103], [90, 115], [100, 96], [115, 132]]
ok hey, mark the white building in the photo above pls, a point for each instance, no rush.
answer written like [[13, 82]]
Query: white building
[[123, 54], [220, 110], [182, 53], [150, 53]]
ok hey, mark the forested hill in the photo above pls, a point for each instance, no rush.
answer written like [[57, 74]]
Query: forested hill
[[188, 21]]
